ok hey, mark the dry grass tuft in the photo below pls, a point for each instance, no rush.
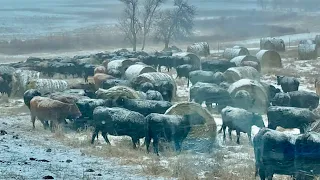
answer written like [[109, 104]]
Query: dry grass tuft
[[153, 167], [59, 132]]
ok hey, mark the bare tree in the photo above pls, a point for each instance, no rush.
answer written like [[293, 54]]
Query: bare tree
[[262, 3], [175, 23], [150, 8], [129, 24]]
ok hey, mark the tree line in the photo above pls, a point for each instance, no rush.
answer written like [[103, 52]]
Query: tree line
[[145, 18]]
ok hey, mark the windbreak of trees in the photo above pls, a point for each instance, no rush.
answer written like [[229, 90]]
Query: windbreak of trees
[[144, 18], [290, 4]]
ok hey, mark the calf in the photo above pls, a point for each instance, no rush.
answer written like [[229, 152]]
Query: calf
[[46, 109], [240, 120]]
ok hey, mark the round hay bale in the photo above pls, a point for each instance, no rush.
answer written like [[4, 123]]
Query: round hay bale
[[269, 59], [230, 53], [317, 40], [47, 85], [307, 41], [6, 70], [209, 129], [194, 59], [21, 79], [199, 48], [119, 65], [244, 72], [153, 78], [257, 92], [307, 51], [274, 44], [135, 70], [239, 59], [241, 47], [173, 49], [116, 92]]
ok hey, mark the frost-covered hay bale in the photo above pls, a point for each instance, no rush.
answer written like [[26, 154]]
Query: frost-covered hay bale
[[307, 41], [307, 51], [21, 79], [47, 85], [273, 44], [173, 49], [119, 65], [230, 53], [135, 70], [199, 48], [242, 48], [239, 59], [209, 129], [317, 40], [116, 92], [194, 59], [256, 90], [244, 72], [6, 70], [154, 78], [269, 59]]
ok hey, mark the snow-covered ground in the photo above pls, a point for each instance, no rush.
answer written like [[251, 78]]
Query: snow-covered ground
[[33, 154]]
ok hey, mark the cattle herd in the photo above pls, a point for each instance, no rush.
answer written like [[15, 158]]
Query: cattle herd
[[139, 110]]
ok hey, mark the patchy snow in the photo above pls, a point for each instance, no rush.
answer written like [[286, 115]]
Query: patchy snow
[[28, 154]]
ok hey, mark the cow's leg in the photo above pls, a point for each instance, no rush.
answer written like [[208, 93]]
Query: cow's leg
[[229, 131], [156, 145], [262, 173], [238, 136], [301, 130], [45, 124], [177, 144], [147, 141], [33, 119], [94, 135], [134, 142], [270, 126], [224, 127], [105, 136], [52, 126]]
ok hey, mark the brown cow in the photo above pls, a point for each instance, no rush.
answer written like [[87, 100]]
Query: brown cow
[[99, 78], [46, 109], [99, 69]]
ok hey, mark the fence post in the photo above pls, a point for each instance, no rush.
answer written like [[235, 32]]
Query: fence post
[[289, 42]]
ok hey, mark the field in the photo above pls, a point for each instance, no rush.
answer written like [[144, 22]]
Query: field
[[89, 28]]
